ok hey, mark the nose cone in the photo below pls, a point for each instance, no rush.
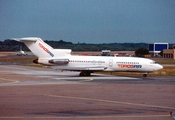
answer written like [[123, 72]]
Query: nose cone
[[159, 67]]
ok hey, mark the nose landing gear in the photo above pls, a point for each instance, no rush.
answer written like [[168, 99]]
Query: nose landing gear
[[144, 74]]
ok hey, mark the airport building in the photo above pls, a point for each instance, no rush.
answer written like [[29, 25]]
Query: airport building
[[169, 53], [156, 48]]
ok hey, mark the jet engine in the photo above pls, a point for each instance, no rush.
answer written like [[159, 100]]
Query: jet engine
[[59, 61]]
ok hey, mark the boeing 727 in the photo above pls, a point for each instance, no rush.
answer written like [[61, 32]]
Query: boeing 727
[[63, 60]]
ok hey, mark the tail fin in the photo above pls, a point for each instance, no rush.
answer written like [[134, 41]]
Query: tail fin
[[38, 47]]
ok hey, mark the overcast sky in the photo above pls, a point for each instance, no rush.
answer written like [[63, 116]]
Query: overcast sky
[[89, 21]]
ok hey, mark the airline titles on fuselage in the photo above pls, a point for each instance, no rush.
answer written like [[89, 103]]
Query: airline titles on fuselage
[[129, 65]]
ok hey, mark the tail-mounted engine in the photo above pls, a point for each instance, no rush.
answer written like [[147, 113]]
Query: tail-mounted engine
[[52, 61], [59, 61]]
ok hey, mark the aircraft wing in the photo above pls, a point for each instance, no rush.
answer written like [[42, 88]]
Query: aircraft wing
[[81, 68]]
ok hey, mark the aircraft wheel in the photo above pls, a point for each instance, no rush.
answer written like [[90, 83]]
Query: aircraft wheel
[[84, 74], [88, 73], [144, 75], [81, 74]]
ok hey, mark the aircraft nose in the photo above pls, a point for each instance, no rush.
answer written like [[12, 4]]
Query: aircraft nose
[[159, 67]]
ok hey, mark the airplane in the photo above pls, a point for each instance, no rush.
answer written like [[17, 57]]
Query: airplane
[[63, 60], [21, 52]]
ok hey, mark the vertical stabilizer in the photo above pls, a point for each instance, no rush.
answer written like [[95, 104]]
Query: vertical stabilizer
[[38, 47]]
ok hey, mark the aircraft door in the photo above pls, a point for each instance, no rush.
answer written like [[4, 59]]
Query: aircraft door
[[110, 62]]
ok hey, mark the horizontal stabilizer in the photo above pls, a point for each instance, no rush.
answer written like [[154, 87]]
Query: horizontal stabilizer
[[25, 39]]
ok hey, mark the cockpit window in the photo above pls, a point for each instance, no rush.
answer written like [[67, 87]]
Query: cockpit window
[[153, 62]]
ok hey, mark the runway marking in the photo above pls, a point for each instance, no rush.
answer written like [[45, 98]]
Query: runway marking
[[109, 101], [81, 79], [12, 81], [88, 80]]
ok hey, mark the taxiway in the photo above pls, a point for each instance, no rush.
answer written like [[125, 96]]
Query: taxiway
[[43, 93]]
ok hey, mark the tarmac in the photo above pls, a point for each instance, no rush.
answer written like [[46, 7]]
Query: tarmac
[[44, 93]]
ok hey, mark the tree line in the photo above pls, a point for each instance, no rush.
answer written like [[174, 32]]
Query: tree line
[[11, 45]]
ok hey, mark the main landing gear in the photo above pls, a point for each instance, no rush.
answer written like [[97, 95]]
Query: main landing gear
[[85, 73]]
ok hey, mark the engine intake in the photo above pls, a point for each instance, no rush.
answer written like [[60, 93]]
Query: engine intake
[[35, 61]]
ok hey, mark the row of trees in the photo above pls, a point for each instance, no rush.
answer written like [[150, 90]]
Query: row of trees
[[11, 45]]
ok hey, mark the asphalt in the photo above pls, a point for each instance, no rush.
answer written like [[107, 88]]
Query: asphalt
[[43, 93]]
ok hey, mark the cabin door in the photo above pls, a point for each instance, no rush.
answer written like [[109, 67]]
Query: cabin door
[[110, 62]]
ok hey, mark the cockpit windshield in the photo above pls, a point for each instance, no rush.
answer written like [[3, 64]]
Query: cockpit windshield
[[153, 62]]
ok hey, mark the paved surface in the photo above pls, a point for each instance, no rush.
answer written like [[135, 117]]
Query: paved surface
[[42, 93]]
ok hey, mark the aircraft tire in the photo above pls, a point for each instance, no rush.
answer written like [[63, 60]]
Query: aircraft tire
[[144, 75], [88, 73], [85, 73]]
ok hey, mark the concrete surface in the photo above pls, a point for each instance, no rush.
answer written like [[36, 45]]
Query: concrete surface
[[43, 93]]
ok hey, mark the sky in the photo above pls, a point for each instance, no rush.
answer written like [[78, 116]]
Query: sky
[[89, 21]]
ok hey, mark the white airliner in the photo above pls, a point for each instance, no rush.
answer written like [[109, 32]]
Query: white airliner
[[63, 60], [21, 52]]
